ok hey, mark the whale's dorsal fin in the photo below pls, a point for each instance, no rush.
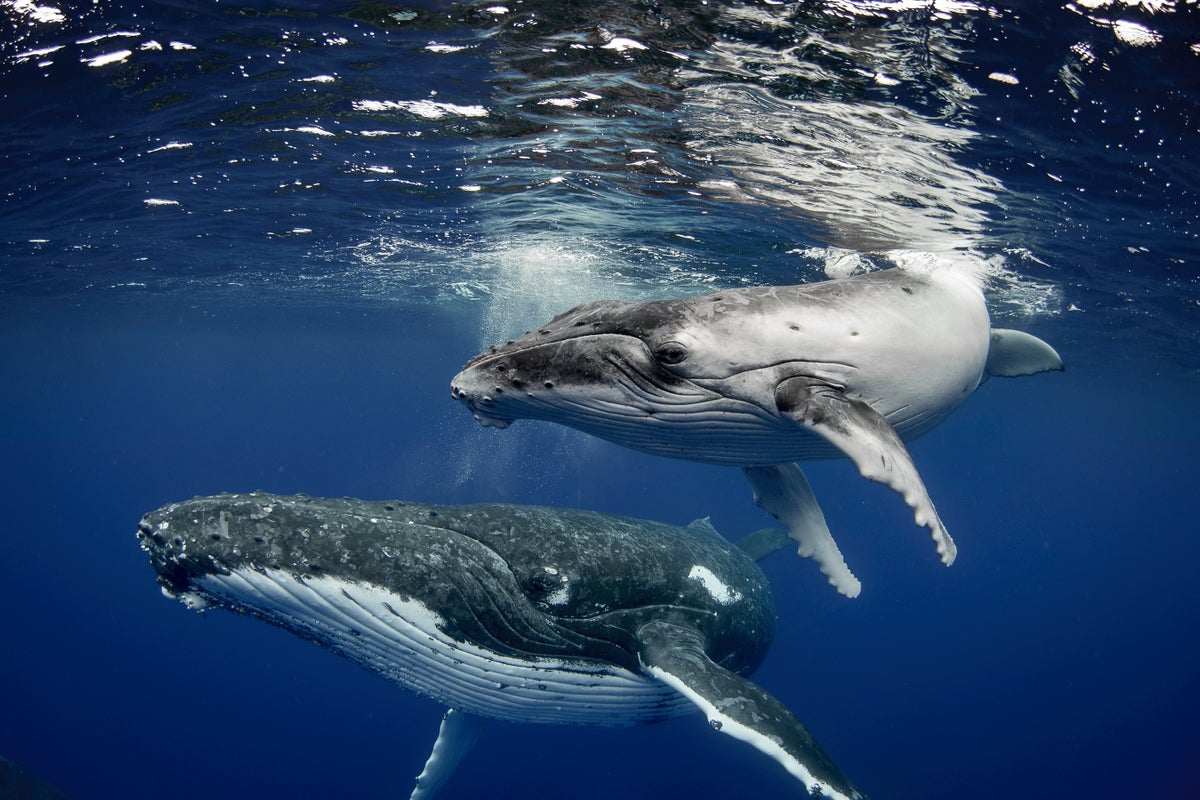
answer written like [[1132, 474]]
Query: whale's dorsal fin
[[1015, 353], [762, 543], [867, 439], [739, 708], [455, 737]]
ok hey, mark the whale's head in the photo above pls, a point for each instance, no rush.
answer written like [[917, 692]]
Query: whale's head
[[632, 373]]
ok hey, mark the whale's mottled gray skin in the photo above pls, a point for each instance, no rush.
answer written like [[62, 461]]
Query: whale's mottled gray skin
[[762, 377], [523, 613]]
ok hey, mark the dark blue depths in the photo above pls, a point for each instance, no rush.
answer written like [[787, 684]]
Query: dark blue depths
[[1058, 641]]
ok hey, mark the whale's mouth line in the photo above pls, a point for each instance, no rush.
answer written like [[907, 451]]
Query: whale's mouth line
[[487, 420]]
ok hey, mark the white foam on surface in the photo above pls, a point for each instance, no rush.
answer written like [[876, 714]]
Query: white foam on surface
[[404, 641], [38, 53], [622, 44], [1135, 33], [115, 57], [36, 13], [427, 109]]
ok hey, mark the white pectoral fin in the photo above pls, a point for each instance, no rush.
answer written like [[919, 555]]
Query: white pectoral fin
[[455, 738], [736, 707], [1015, 353], [784, 493], [870, 442]]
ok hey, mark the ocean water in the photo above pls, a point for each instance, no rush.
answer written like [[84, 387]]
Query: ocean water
[[246, 245]]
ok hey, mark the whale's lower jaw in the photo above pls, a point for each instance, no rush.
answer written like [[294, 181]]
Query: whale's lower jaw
[[400, 639]]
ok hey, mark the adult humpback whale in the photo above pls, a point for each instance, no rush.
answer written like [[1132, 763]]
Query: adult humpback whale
[[522, 613], [760, 378]]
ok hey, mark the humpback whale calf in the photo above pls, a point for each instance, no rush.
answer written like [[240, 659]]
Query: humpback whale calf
[[760, 378], [522, 613]]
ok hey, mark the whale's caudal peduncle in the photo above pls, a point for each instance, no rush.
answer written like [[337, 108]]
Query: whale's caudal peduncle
[[761, 378]]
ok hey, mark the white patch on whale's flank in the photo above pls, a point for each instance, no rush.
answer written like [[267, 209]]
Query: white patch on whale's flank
[[560, 594], [402, 640], [717, 589], [765, 744]]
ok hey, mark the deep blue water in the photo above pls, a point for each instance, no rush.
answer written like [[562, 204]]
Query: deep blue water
[[251, 251]]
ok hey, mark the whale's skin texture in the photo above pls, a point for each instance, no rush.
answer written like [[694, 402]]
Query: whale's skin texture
[[523, 613], [761, 378]]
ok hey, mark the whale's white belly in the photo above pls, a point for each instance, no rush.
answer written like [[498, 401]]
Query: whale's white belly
[[400, 639]]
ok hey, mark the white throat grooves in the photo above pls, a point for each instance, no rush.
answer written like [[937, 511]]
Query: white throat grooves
[[400, 639]]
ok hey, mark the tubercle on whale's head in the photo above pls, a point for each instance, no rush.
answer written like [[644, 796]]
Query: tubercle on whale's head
[[187, 541], [167, 556], [649, 322]]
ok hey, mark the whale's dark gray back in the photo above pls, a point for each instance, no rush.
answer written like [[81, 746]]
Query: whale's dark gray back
[[514, 579]]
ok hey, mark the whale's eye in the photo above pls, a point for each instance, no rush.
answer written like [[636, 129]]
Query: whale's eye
[[671, 353]]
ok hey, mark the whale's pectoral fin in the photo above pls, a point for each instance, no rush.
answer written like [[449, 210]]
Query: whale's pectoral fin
[[784, 493], [455, 737], [734, 706], [1015, 353], [869, 441]]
